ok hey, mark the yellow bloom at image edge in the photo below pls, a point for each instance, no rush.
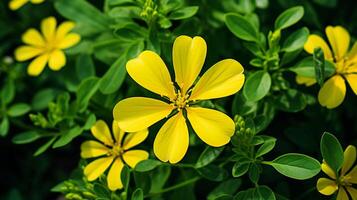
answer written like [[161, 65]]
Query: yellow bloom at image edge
[[46, 47], [16, 4], [149, 70], [112, 150]]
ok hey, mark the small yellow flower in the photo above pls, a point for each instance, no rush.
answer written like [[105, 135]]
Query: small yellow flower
[[112, 151], [214, 128], [47, 47], [343, 181], [16, 4], [333, 90]]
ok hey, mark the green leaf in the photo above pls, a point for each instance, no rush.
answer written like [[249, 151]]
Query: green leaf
[[213, 172], [241, 167], [183, 13], [296, 166], [90, 122], [44, 147], [42, 99], [319, 63], [89, 20], [228, 187], [67, 137], [296, 40], [257, 86], [289, 17], [147, 165], [266, 147], [138, 194], [18, 110], [125, 177], [4, 127], [290, 100], [241, 27], [208, 156], [254, 172], [331, 151], [84, 66], [26, 137], [85, 91], [8, 92], [306, 68], [260, 193]]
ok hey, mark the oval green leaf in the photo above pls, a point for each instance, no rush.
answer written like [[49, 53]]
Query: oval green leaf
[[289, 17], [257, 86]]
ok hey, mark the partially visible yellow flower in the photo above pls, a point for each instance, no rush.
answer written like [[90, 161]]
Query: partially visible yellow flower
[[343, 181], [115, 152], [47, 47], [16, 4], [333, 90], [148, 69]]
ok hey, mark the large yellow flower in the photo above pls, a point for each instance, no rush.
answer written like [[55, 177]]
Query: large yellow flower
[[47, 47], [112, 151], [333, 90], [214, 128], [16, 4], [342, 181]]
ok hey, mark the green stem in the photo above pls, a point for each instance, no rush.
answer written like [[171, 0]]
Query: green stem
[[174, 187]]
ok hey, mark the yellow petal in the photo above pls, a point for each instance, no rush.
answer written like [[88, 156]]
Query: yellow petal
[[327, 169], [171, 143], [133, 139], [100, 130], [332, 92], [315, 41], [90, 149], [188, 58], [33, 37], [339, 39], [16, 4], [37, 1], [23, 53], [37, 65], [133, 157], [63, 29], [307, 81], [138, 113], [69, 40], [97, 167], [117, 132], [352, 175], [48, 28], [352, 81], [150, 71], [349, 158], [353, 192], [114, 175], [213, 127], [222, 79], [326, 186], [352, 55], [57, 60], [342, 195]]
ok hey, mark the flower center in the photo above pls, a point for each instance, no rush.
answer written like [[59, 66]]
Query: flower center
[[180, 101], [344, 181], [116, 150]]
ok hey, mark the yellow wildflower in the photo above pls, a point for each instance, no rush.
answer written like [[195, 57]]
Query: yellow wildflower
[[16, 4], [148, 69], [112, 151], [47, 47], [333, 90], [343, 181]]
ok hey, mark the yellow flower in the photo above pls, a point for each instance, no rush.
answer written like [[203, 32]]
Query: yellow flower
[[214, 128], [47, 47], [112, 151], [342, 181], [333, 90], [16, 4]]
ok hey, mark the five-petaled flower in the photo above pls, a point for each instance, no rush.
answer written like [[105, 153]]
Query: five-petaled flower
[[115, 152], [16, 4], [148, 69], [342, 181], [47, 47], [333, 90]]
